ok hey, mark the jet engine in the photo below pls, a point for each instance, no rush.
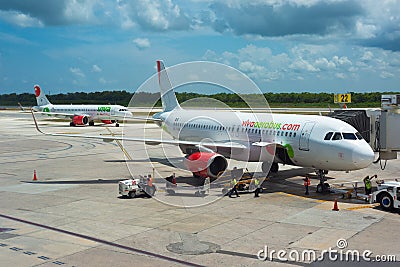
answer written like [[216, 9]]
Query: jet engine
[[80, 120], [205, 164]]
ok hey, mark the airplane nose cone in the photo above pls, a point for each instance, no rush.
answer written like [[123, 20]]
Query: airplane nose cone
[[363, 156]]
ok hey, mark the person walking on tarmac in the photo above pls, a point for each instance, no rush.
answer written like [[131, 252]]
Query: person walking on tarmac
[[306, 183], [367, 185], [233, 183], [258, 186]]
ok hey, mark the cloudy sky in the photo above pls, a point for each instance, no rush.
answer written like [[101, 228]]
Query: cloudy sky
[[283, 45]]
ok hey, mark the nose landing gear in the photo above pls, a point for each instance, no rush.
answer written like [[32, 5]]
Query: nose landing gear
[[322, 187]]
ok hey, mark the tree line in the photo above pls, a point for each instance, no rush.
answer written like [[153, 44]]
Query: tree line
[[371, 99]]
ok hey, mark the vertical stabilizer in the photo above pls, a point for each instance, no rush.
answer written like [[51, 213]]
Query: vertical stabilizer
[[41, 98], [168, 98]]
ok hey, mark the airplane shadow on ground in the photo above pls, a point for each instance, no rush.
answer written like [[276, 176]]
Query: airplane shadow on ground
[[98, 181], [170, 162]]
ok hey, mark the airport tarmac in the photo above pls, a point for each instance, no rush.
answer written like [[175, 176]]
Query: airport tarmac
[[73, 215]]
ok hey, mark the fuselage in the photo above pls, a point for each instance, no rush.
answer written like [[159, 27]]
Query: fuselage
[[94, 112], [298, 139]]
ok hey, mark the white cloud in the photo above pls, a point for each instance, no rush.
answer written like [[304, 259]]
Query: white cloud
[[20, 19], [340, 75], [80, 10], [341, 60], [96, 68], [323, 63], [154, 15], [368, 55], [77, 72], [142, 43], [303, 65], [385, 75]]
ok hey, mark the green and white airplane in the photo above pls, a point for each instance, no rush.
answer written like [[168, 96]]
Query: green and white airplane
[[81, 114]]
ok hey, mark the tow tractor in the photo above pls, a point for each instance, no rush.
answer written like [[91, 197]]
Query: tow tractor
[[136, 186], [244, 184], [387, 195]]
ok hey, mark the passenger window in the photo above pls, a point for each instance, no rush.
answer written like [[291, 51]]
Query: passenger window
[[337, 136], [328, 136], [349, 136], [290, 134], [294, 134], [286, 133]]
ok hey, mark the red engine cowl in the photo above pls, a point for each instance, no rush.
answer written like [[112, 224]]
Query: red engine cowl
[[206, 164], [107, 121], [80, 120]]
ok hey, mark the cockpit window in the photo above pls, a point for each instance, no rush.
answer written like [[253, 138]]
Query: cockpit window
[[349, 136], [328, 136], [359, 136], [337, 136]]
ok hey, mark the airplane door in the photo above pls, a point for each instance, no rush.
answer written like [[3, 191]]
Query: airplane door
[[112, 111], [305, 136]]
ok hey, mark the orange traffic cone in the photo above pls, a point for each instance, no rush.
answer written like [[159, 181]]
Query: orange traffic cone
[[335, 205], [34, 175]]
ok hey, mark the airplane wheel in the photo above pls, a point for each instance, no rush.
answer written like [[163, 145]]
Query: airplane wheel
[[117, 125], [91, 123], [71, 124], [319, 188]]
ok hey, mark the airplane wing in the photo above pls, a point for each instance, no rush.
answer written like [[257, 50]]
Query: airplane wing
[[263, 144], [149, 141], [134, 118], [59, 114]]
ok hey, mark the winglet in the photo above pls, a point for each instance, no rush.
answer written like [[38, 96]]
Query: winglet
[[168, 97]]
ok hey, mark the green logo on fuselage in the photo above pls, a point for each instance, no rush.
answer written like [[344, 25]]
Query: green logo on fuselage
[[103, 109], [46, 109]]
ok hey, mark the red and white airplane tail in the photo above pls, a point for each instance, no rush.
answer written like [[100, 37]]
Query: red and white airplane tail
[[41, 98]]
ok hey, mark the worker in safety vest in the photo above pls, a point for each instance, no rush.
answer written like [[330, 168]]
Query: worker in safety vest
[[306, 183], [367, 184], [258, 186], [233, 183]]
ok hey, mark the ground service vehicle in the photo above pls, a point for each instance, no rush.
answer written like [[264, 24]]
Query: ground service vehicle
[[387, 195], [136, 186]]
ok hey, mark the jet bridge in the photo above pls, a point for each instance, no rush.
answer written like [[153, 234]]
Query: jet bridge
[[380, 127]]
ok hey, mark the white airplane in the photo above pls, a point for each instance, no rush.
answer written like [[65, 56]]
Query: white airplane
[[81, 114], [319, 142]]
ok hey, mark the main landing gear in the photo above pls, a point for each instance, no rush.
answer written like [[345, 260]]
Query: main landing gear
[[322, 187], [267, 167]]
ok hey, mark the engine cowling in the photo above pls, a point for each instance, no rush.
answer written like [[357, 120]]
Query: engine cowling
[[80, 120], [107, 121], [206, 164]]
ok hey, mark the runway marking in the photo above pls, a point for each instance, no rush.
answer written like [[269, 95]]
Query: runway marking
[[101, 241], [120, 145], [308, 198], [363, 207]]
